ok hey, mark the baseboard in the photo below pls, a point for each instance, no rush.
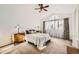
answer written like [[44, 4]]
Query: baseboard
[[6, 45]]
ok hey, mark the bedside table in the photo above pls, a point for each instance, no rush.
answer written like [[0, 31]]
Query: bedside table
[[19, 37]]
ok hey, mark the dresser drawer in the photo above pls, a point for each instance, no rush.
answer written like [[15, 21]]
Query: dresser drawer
[[19, 37]]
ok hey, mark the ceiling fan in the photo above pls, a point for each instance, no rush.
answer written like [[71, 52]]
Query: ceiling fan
[[42, 7]]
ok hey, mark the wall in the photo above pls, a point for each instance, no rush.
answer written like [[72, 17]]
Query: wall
[[76, 28], [11, 15], [28, 18]]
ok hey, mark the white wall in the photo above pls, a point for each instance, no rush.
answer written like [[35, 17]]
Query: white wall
[[11, 15], [28, 18], [76, 28]]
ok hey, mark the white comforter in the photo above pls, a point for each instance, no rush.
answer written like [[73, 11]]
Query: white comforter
[[38, 39]]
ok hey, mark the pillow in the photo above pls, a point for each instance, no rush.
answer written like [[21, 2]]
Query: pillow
[[31, 31], [27, 32]]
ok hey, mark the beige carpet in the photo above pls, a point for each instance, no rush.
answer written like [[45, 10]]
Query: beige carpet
[[56, 46]]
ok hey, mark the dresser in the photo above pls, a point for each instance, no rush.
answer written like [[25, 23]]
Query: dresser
[[19, 37]]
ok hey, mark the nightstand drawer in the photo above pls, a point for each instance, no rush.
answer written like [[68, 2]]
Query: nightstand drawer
[[19, 37]]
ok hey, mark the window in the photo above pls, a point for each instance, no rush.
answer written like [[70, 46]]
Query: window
[[54, 26]]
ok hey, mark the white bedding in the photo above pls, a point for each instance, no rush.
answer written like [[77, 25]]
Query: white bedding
[[38, 39]]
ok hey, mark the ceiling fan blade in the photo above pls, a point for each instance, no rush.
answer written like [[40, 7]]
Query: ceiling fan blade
[[44, 9], [46, 6]]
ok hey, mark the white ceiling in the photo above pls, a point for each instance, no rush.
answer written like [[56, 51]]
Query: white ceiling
[[62, 8]]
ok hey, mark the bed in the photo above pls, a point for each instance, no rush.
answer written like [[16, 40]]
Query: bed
[[39, 39]]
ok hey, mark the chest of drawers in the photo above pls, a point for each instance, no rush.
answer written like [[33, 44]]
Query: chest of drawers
[[19, 37]]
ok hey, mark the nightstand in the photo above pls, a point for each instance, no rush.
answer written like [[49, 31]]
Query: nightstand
[[19, 37]]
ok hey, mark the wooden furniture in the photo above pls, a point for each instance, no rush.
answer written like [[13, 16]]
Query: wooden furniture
[[72, 50], [19, 37]]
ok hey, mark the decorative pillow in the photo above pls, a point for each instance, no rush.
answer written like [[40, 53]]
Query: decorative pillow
[[31, 31], [28, 32]]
